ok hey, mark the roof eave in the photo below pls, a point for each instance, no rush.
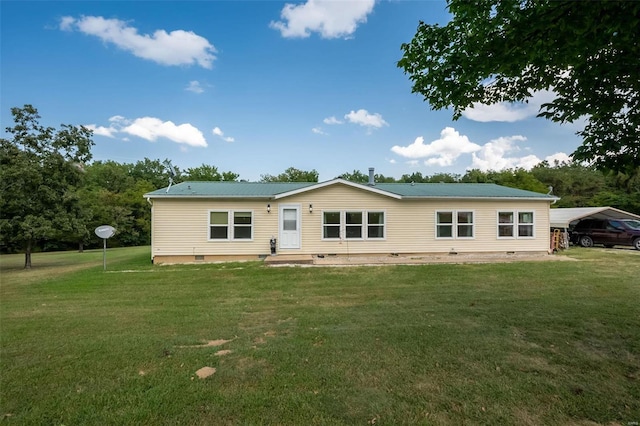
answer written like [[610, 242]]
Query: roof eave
[[220, 197], [460, 197]]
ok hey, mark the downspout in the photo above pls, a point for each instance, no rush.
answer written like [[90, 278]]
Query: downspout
[[151, 233]]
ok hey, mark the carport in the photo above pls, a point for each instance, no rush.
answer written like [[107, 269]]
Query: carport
[[563, 219]]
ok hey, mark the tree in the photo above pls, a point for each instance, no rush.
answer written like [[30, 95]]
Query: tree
[[292, 175], [587, 53], [40, 173], [209, 173], [357, 176], [155, 171]]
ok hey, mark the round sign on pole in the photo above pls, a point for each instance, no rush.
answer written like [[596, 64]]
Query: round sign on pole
[[105, 231]]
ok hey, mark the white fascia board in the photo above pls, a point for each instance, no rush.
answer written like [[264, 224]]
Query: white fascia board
[[217, 197], [444, 197]]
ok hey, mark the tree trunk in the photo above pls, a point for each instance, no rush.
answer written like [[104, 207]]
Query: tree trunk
[[81, 247], [27, 256]]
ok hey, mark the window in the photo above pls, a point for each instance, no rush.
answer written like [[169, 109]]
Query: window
[[219, 225], [465, 224], [242, 225], [525, 224], [353, 225], [353, 228], [515, 224], [375, 225], [505, 224], [454, 224], [444, 225], [230, 225], [331, 225]]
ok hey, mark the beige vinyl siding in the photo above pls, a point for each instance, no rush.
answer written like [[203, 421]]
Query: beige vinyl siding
[[181, 227]]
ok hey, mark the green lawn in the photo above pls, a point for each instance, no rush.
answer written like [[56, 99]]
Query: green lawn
[[525, 343]]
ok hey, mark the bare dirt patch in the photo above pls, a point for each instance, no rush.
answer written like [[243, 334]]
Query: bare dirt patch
[[421, 259], [205, 372], [208, 344], [223, 352]]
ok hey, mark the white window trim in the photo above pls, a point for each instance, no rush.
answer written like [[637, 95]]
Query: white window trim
[[532, 224], [512, 224], [472, 224], [515, 224], [454, 224], [361, 225], [364, 225], [230, 225], [333, 225], [383, 224]]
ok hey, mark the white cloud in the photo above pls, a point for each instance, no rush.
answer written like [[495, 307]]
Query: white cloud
[[318, 131], [66, 23], [118, 119], [102, 131], [508, 111], [195, 87], [363, 118], [559, 157], [442, 152], [151, 128], [498, 154], [218, 132], [177, 47], [329, 18], [332, 120]]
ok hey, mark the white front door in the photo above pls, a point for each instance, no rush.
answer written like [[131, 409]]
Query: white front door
[[289, 226]]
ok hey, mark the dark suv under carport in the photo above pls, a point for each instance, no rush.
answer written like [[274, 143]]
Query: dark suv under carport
[[608, 232]]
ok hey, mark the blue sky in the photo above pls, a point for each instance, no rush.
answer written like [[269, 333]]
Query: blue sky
[[255, 87]]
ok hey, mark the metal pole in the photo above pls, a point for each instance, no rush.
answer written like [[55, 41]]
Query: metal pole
[[104, 255]]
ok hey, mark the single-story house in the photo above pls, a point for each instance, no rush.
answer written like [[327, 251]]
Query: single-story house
[[212, 221]]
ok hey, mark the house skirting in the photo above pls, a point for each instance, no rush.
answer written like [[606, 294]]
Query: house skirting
[[362, 259]]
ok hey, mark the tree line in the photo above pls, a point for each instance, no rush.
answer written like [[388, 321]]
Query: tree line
[[52, 196]]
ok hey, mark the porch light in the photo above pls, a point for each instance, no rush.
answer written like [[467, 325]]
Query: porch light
[[310, 208], [268, 208]]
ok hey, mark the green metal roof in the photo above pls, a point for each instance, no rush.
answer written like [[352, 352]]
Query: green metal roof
[[228, 189], [398, 190], [457, 190]]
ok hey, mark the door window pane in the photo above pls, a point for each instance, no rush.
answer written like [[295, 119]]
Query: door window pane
[[289, 220]]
